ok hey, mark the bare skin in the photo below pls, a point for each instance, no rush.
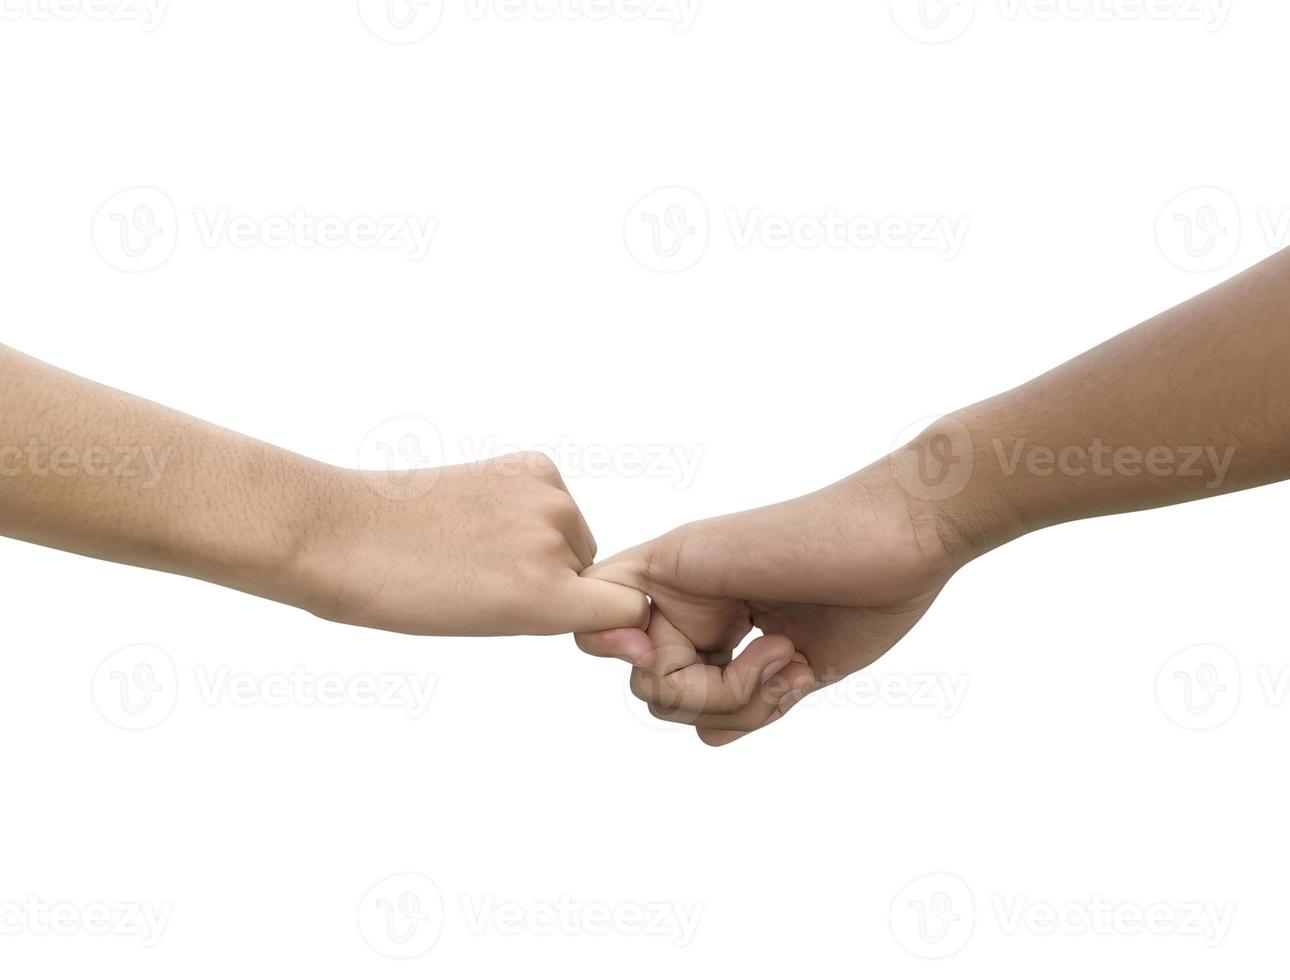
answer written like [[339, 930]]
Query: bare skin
[[1193, 403], [487, 549]]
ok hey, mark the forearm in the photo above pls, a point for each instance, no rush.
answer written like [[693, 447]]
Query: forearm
[[1193, 403], [88, 469], [490, 548]]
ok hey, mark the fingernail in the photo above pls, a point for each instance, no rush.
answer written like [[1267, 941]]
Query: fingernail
[[772, 669], [791, 698]]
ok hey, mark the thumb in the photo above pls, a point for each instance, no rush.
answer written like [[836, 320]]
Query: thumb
[[626, 639], [625, 568]]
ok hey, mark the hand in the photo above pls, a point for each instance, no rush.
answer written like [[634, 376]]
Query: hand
[[492, 548], [833, 580]]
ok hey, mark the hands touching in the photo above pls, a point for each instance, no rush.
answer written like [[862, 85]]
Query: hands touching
[[1190, 404], [832, 580]]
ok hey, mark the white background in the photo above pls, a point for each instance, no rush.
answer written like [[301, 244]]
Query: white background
[[531, 791]]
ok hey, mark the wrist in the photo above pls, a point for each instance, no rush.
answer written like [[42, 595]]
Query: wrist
[[325, 516], [946, 476], [291, 554]]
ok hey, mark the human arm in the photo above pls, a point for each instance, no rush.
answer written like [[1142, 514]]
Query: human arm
[[1190, 404], [488, 548]]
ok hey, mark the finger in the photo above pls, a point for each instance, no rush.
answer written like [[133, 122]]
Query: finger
[[578, 537], [625, 568], [777, 697], [631, 645], [774, 697], [698, 689], [590, 606], [673, 651], [562, 512], [588, 539], [659, 648], [722, 731]]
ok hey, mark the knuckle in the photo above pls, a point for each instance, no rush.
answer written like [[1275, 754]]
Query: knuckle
[[561, 506], [538, 464], [545, 540]]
